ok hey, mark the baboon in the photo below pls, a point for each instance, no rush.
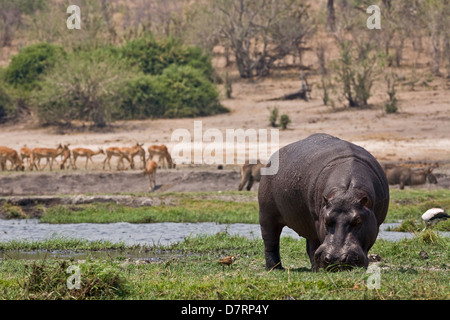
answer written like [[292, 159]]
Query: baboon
[[250, 172]]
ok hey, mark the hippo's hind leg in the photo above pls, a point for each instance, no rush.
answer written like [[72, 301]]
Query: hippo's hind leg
[[271, 230]]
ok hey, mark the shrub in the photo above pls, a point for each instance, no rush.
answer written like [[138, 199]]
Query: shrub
[[357, 68], [87, 86], [391, 104], [273, 117], [142, 98], [4, 104], [180, 91], [284, 121], [188, 93], [31, 63], [152, 56]]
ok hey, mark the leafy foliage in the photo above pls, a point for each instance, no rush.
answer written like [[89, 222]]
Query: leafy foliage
[[152, 56], [180, 91], [85, 86], [31, 63]]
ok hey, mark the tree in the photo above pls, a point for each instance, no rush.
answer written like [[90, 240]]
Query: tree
[[331, 16], [260, 32], [435, 14], [356, 70], [11, 17]]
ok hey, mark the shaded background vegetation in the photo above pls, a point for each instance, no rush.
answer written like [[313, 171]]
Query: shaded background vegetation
[[147, 59]]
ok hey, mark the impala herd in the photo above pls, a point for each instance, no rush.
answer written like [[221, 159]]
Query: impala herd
[[69, 158]]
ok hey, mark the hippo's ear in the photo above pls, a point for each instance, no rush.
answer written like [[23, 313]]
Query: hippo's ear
[[364, 201], [326, 199]]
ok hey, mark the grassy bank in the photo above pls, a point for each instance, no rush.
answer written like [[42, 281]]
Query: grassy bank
[[225, 207], [185, 210], [189, 270]]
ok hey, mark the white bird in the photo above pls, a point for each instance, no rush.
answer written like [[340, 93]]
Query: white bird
[[433, 216]]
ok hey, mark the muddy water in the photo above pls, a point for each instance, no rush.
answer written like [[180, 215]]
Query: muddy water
[[143, 234]]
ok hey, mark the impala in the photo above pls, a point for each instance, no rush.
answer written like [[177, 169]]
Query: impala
[[150, 170], [48, 153], [25, 153], [66, 155], [84, 152], [11, 155], [115, 152], [133, 152], [163, 155]]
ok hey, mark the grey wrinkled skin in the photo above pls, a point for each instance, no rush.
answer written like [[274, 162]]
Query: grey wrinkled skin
[[331, 192]]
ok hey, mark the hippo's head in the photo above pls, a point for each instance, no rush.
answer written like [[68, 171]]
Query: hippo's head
[[347, 230]]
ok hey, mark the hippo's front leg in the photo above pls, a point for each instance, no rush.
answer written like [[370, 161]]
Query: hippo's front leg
[[311, 247]]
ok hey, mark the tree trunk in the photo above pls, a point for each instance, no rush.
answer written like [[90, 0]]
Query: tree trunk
[[331, 16]]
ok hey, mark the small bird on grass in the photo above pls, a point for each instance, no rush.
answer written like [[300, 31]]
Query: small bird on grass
[[433, 216], [227, 261]]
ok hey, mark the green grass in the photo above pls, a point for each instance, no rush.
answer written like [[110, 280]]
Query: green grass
[[226, 207], [185, 210], [191, 271], [232, 207], [409, 205], [60, 244]]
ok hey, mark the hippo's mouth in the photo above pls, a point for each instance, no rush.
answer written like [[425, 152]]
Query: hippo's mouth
[[341, 262]]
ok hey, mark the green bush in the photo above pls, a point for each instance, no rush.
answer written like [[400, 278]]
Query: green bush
[[143, 99], [4, 103], [31, 63], [88, 86], [144, 78], [273, 117], [284, 121], [180, 91], [152, 56]]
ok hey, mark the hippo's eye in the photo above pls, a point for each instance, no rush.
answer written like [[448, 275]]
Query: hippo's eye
[[329, 222], [356, 221]]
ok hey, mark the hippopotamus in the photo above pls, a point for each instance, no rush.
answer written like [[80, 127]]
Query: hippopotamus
[[331, 192]]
